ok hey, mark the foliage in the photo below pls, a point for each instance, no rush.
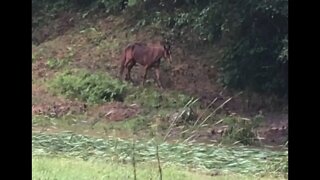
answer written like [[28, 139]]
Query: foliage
[[258, 59], [112, 5], [43, 10], [94, 88]]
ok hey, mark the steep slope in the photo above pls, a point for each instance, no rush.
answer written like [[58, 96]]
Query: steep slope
[[95, 44]]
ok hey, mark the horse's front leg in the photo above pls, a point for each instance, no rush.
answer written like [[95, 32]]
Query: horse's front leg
[[157, 70]]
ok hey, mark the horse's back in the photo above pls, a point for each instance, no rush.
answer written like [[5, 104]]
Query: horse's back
[[142, 50], [140, 44]]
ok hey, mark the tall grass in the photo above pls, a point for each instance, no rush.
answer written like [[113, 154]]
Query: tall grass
[[196, 156]]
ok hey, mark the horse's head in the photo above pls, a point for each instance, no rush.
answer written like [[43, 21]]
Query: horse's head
[[167, 52]]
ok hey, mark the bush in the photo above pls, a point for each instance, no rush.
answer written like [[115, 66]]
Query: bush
[[250, 65], [258, 59], [241, 129], [93, 88]]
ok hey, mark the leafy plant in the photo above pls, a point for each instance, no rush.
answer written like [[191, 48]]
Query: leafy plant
[[90, 87], [258, 60]]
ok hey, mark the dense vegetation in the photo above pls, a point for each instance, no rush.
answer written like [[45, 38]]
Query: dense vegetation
[[93, 88], [255, 59]]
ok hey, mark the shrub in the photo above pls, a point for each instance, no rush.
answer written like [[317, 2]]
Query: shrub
[[258, 59], [241, 129], [90, 87]]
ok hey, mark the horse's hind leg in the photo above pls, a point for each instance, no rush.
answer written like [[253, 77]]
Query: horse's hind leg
[[127, 74], [145, 75], [157, 70], [129, 67]]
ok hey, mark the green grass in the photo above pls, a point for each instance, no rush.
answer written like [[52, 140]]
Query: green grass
[[79, 123], [45, 167], [131, 125], [67, 121], [141, 125], [55, 63], [151, 98], [209, 158], [101, 87], [62, 168]]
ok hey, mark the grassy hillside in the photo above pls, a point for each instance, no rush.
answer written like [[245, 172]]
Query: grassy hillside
[[76, 87], [88, 51]]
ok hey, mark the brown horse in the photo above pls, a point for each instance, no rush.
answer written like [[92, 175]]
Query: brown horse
[[147, 55]]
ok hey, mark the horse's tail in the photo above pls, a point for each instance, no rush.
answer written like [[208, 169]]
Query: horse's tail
[[123, 58], [123, 61]]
